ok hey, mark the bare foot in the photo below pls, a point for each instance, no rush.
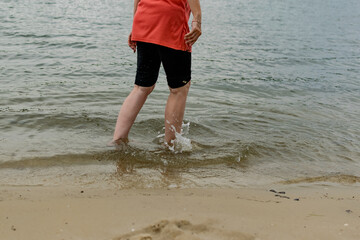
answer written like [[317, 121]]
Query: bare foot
[[119, 144]]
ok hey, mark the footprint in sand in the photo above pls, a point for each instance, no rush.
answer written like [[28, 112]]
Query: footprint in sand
[[183, 230]]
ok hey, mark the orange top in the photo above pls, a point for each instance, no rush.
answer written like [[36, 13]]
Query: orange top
[[162, 22]]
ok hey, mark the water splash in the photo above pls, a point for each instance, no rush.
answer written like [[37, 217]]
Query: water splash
[[238, 158], [181, 143], [185, 128]]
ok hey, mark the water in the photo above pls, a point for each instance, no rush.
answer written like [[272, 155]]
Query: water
[[275, 96]]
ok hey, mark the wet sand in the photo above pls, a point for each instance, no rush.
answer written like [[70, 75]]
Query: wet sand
[[285, 212]]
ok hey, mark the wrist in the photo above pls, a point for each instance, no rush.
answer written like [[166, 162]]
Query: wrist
[[196, 17]]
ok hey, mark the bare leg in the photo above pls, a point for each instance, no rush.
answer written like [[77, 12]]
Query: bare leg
[[129, 110], [174, 111]]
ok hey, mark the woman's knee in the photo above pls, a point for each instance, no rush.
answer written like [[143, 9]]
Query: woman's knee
[[181, 90], [144, 90]]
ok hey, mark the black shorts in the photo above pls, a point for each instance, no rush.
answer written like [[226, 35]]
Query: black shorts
[[176, 63]]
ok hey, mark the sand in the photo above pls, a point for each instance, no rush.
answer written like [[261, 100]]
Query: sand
[[312, 212]]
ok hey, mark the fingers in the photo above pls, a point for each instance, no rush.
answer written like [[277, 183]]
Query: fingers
[[192, 37], [132, 44], [194, 34]]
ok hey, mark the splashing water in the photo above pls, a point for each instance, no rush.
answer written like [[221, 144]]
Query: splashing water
[[180, 144], [185, 128]]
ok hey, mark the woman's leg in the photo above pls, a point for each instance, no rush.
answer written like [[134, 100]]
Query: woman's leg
[[129, 110], [174, 111]]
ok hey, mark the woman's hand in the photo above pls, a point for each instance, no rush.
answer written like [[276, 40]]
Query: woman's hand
[[194, 34], [132, 44]]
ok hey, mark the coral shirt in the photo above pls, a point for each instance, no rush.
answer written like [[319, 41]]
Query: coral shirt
[[162, 22]]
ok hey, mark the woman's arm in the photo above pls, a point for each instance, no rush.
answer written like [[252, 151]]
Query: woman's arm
[[195, 32], [136, 2], [132, 44]]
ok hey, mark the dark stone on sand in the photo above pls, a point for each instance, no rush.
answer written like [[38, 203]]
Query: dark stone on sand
[[296, 199], [281, 192], [281, 196], [348, 211], [82, 192], [272, 190], [13, 228]]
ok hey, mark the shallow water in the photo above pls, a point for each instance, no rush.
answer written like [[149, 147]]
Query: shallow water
[[274, 96]]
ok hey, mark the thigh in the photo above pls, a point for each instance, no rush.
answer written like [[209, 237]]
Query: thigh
[[177, 66], [148, 64]]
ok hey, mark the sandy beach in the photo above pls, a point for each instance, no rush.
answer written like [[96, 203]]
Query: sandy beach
[[285, 212]]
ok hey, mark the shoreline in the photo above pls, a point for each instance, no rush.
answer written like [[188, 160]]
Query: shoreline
[[311, 212]]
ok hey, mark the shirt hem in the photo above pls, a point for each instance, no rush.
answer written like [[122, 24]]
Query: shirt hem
[[160, 43]]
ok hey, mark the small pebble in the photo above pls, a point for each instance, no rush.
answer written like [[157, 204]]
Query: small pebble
[[296, 199], [13, 228], [281, 192], [272, 190], [82, 192], [348, 211], [346, 224]]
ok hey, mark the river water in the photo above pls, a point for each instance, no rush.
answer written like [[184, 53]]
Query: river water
[[275, 96]]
